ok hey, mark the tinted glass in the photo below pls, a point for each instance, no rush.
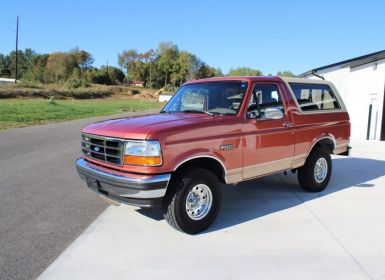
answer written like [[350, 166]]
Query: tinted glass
[[265, 96], [223, 98], [313, 97]]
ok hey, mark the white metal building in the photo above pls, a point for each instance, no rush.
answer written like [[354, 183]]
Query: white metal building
[[361, 83], [6, 81], [164, 97]]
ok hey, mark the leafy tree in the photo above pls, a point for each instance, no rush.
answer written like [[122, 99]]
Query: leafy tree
[[115, 75], [202, 70], [105, 75], [244, 71], [205, 71], [83, 59], [149, 58], [4, 66], [182, 69], [166, 66], [59, 67], [22, 63], [285, 74], [168, 54], [96, 76], [35, 71], [139, 71], [29, 55], [76, 80], [217, 72], [166, 45], [126, 60], [45, 68]]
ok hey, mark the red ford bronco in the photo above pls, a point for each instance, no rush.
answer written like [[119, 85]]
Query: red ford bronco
[[219, 130]]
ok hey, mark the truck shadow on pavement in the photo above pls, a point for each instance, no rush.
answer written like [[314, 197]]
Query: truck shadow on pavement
[[266, 195]]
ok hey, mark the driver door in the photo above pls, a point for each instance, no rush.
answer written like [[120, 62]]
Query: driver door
[[268, 132]]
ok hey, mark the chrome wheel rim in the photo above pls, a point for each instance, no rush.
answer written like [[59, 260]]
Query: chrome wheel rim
[[320, 170], [199, 201]]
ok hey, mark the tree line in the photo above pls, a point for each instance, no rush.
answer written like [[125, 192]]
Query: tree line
[[166, 66], [74, 67]]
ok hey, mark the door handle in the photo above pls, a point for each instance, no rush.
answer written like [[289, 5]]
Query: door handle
[[288, 124]]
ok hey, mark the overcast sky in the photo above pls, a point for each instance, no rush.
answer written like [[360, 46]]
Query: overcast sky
[[267, 35]]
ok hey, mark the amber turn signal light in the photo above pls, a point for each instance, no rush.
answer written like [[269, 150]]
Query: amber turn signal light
[[141, 160]]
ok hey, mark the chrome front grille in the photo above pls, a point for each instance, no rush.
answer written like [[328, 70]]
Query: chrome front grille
[[101, 148]]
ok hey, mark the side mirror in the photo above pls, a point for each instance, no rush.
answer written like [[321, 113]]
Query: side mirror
[[273, 114], [253, 112]]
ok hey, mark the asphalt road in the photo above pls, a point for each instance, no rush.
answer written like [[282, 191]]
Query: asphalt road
[[44, 205]]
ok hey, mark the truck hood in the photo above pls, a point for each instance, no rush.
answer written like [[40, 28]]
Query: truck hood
[[146, 126]]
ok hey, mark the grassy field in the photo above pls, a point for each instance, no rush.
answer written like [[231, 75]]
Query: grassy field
[[25, 112]]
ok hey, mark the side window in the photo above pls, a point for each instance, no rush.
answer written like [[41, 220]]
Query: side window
[[313, 97], [265, 96]]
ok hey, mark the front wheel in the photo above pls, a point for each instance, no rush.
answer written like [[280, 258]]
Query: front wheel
[[314, 176], [193, 201]]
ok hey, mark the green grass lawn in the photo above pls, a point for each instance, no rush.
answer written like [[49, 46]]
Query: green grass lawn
[[25, 112]]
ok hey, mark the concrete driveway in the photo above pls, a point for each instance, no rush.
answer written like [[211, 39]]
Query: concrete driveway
[[267, 229]]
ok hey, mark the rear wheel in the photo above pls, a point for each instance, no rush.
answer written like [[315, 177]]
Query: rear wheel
[[314, 176], [193, 201]]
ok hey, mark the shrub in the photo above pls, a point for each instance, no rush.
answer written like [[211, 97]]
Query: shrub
[[77, 83]]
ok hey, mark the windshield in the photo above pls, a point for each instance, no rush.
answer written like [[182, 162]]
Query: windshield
[[221, 98]]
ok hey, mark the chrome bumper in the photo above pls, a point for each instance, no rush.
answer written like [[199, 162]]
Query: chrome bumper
[[131, 189]]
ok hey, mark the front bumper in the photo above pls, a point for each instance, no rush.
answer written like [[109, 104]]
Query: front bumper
[[133, 189]]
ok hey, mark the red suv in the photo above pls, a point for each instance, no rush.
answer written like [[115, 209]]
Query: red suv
[[219, 130]]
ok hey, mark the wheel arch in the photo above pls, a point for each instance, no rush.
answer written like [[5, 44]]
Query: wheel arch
[[211, 163], [327, 141]]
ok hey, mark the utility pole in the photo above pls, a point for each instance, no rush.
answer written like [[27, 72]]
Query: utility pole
[[150, 77], [17, 43]]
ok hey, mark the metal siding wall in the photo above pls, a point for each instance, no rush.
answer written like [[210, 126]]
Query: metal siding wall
[[355, 86], [340, 78], [364, 82]]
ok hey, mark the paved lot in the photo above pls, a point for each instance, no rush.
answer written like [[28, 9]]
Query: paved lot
[[267, 229], [43, 204]]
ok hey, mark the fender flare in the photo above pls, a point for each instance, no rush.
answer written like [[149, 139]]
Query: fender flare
[[201, 157], [327, 136]]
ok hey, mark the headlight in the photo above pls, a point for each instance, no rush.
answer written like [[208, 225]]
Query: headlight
[[142, 152]]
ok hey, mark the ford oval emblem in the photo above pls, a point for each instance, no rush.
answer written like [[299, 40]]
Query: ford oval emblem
[[96, 149]]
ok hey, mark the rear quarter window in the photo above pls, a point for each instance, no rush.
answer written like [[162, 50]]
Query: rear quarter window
[[315, 97]]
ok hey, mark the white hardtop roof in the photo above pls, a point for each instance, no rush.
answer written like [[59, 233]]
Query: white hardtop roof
[[304, 81]]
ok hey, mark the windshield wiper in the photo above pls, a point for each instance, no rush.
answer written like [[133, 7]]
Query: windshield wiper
[[198, 111], [165, 111]]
